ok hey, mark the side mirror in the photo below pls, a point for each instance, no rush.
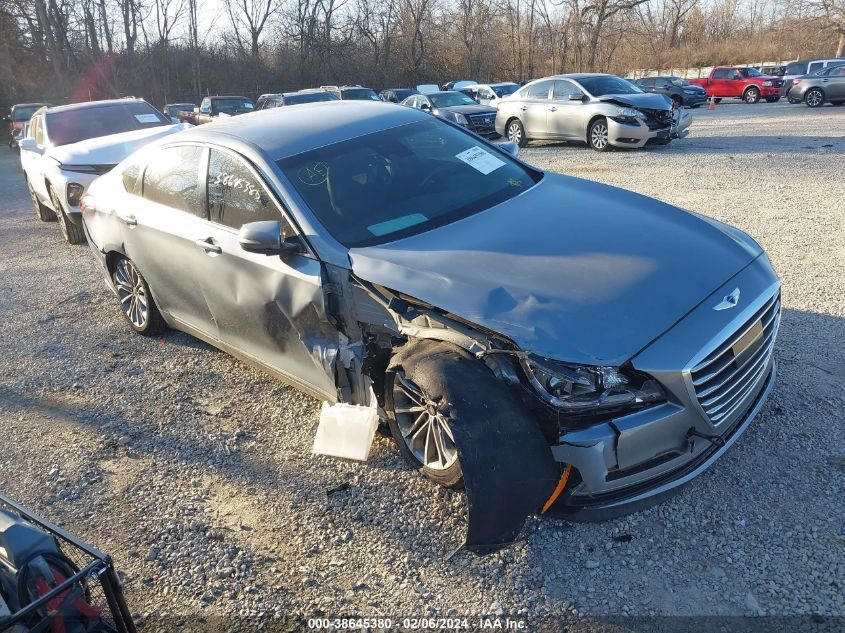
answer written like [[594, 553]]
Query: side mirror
[[28, 144], [576, 97], [425, 107], [266, 238], [510, 147]]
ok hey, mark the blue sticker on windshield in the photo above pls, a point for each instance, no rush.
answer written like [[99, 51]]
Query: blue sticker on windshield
[[391, 226]]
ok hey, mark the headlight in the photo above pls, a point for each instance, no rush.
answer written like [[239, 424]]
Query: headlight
[[585, 389], [628, 116], [74, 193], [460, 119], [690, 91], [767, 83]]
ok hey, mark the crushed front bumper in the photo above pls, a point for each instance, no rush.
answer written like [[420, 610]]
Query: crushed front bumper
[[625, 462], [640, 134]]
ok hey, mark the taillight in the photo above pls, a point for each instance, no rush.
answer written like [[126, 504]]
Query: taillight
[[87, 203]]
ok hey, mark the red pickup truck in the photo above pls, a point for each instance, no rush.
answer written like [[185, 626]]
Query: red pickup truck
[[748, 84]]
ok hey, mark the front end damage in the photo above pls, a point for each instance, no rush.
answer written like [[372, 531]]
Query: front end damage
[[583, 442]]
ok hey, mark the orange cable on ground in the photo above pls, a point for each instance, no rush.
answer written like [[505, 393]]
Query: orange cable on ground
[[560, 486]]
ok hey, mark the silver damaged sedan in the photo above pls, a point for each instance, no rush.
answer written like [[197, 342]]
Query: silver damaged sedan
[[604, 111], [549, 343]]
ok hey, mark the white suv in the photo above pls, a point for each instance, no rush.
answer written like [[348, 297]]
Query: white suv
[[67, 147]]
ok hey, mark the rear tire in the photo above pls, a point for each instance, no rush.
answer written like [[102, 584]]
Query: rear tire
[[44, 213], [837, 103], [72, 233], [136, 301], [751, 95], [515, 133], [717, 100], [814, 98], [598, 135]]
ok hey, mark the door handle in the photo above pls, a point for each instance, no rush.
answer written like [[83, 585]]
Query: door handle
[[552, 109], [209, 245], [129, 220]]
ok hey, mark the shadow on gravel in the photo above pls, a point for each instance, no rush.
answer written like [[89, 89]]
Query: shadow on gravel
[[731, 145]]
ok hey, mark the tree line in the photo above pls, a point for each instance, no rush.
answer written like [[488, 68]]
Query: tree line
[[179, 50]]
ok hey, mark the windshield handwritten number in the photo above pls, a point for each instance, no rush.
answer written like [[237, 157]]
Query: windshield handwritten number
[[313, 175]]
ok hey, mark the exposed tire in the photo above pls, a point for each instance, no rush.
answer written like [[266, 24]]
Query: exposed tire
[[72, 233], [751, 95], [44, 213], [437, 379], [421, 429], [598, 135], [136, 301], [772, 99], [515, 133], [814, 98]]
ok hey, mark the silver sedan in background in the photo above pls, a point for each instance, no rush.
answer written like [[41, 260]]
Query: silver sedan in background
[[602, 110], [545, 341], [817, 89]]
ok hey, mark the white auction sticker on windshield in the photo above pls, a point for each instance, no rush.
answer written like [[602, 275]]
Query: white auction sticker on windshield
[[479, 159], [146, 118]]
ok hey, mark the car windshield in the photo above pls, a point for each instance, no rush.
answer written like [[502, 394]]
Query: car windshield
[[608, 85], [360, 94], [24, 113], [507, 89], [181, 107], [401, 95], [448, 99], [309, 97], [72, 126], [233, 106], [678, 81], [402, 181], [751, 72]]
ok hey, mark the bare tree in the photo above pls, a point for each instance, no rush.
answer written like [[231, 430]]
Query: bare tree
[[249, 16]]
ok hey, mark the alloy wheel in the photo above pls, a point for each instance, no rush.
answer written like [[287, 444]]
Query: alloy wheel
[[514, 133], [598, 135], [33, 196], [424, 428], [814, 98], [132, 293], [60, 214]]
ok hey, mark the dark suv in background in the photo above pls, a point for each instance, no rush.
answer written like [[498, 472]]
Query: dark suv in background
[[678, 89]]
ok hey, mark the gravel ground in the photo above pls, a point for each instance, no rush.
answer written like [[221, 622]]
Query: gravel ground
[[195, 472]]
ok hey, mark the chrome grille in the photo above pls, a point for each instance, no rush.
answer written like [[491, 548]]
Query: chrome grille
[[722, 384], [483, 120]]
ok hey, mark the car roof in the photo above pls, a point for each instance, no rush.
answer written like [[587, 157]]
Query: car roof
[[444, 92], [85, 105], [284, 132], [228, 97], [29, 105]]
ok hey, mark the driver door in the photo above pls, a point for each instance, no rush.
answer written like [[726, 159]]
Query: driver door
[[267, 307]]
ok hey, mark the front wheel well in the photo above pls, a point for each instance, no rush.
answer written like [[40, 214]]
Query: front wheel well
[[589, 125], [111, 260]]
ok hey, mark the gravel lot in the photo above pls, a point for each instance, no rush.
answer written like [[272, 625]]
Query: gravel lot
[[195, 471]]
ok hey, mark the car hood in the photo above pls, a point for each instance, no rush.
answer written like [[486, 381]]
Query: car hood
[[570, 269], [652, 101], [111, 149], [469, 109]]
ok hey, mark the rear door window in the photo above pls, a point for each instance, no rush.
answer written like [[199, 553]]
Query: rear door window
[[539, 90], [236, 194], [814, 67], [172, 179]]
